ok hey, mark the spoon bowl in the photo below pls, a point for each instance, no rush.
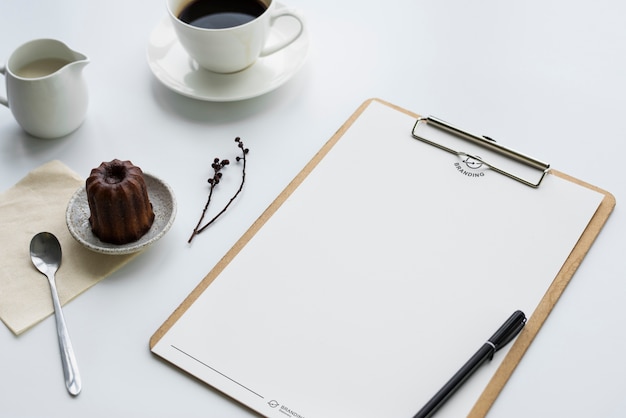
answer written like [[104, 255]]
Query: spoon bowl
[[45, 253]]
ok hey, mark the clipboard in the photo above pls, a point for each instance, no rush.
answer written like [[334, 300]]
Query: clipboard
[[227, 281]]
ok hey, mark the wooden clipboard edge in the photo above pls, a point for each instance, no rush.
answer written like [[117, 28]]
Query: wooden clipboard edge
[[258, 224], [536, 320], [547, 303]]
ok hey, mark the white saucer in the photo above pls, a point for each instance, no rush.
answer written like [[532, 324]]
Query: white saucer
[[172, 66], [163, 203]]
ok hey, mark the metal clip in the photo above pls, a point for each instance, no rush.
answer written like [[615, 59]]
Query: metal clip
[[485, 143]]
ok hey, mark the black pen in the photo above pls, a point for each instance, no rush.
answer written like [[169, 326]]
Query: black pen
[[502, 337]]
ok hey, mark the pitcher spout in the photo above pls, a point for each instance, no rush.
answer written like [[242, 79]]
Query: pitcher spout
[[75, 60], [55, 49], [79, 58], [78, 65]]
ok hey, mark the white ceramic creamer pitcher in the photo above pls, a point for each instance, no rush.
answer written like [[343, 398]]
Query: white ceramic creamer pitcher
[[45, 88]]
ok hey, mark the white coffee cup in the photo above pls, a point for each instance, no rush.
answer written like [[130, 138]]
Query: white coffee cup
[[233, 48], [45, 89]]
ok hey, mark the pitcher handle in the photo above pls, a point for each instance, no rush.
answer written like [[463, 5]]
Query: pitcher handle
[[280, 45], [3, 100]]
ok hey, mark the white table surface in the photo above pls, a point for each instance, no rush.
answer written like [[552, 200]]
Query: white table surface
[[544, 77]]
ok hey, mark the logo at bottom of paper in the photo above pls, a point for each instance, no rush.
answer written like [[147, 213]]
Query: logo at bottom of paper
[[284, 409], [471, 167]]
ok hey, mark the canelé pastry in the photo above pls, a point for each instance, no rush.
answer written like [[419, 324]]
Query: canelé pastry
[[118, 201]]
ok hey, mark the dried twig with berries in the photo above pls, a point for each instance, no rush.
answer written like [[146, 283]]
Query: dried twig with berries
[[218, 165]]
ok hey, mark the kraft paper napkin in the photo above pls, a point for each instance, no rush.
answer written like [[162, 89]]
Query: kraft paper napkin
[[35, 204]]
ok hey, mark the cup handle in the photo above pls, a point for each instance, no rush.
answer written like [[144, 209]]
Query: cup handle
[[270, 49], [3, 100]]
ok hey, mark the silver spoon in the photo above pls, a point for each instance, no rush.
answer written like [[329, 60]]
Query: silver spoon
[[45, 252]]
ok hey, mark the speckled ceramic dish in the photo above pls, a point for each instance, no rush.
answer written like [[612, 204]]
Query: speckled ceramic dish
[[163, 203]]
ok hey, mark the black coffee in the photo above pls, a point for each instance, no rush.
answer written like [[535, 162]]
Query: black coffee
[[220, 14]]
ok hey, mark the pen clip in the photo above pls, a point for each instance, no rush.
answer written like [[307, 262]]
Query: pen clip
[[508, 331], [513, 334]]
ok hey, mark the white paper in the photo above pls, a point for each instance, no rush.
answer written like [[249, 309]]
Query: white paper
[[379, 276]]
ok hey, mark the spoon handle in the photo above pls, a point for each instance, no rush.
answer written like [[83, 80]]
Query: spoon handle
[[70, 367]]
